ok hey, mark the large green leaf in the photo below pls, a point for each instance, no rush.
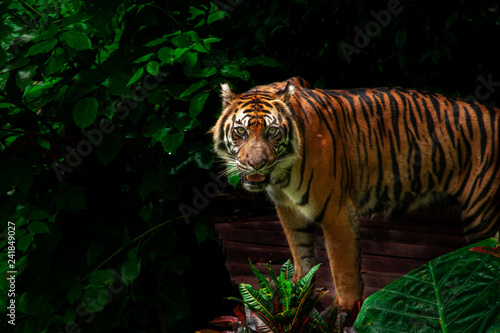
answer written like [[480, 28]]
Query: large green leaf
[[458, 292], [171, 142], [85, 112], [303, 284], [197, 103], [264, 287], [76, 39], [42, 47], [255, 301], [285, 291]]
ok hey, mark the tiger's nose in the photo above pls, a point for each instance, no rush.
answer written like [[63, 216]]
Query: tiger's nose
[[257, 164]]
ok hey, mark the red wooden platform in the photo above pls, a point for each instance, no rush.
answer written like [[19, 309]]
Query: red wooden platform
[[391, 248]]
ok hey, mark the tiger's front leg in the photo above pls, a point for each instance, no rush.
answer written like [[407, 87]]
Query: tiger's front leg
[[300, 236], [341, 232]]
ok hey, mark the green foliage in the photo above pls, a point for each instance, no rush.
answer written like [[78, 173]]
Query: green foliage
[[458, 292], [279, 305], [104, 108]]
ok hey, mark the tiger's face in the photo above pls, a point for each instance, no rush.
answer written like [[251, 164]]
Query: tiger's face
[[256, 136]]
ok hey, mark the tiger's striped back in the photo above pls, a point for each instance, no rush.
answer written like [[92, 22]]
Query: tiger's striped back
[[404, 149]]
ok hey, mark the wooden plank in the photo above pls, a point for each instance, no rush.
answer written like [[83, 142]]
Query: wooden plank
[[411, 237], [404, 250], [240, 253], [276, 238], [382, 242]]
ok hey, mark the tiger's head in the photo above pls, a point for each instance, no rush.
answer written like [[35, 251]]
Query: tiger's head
[[257, 135]]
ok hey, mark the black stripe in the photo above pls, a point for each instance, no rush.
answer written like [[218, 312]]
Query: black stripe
[[319, 218], [308, 229], [483, 136], [305, 198]]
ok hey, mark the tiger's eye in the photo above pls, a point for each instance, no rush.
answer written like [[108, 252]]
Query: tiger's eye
[[240, 131], [272, 131]]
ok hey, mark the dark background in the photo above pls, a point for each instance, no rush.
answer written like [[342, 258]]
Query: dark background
[[114, 221]]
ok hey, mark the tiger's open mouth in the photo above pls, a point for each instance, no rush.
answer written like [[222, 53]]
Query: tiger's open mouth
[[255, 182]]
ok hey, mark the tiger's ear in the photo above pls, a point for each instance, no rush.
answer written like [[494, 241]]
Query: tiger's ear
[[227, 94], [287, 92]]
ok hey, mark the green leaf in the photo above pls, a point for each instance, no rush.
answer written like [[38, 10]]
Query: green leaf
[[76, 39], [233, 70], [193, 88], [130, 270], [70, 315], [94, 299], [38, 227], [255, 301], [171, 142], [116, 82], [101, 277], [458, 292], [205, 72], [135, 77], [25, 75], [166, 55], [191, 58], [182, 41], [42, 47], [261, 35], [156, 41], [179, 52], [178, 264], [38, 214], [216, 15], [401, 37], [285, 288], [76, 198], [144, 58], [435, 55], [262, 61], [197, 103], [85, 112], [265, 325], [264, 287], [94, 251], [287, 270], [303, 284], [233, 176], [24, 242], [451, 19], [51, 31], [153, 68], [202, 230], [55, 62], [318, 321], [74, 292], [109, 148]]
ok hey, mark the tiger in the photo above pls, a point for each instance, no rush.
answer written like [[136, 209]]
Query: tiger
[[328, 157]]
